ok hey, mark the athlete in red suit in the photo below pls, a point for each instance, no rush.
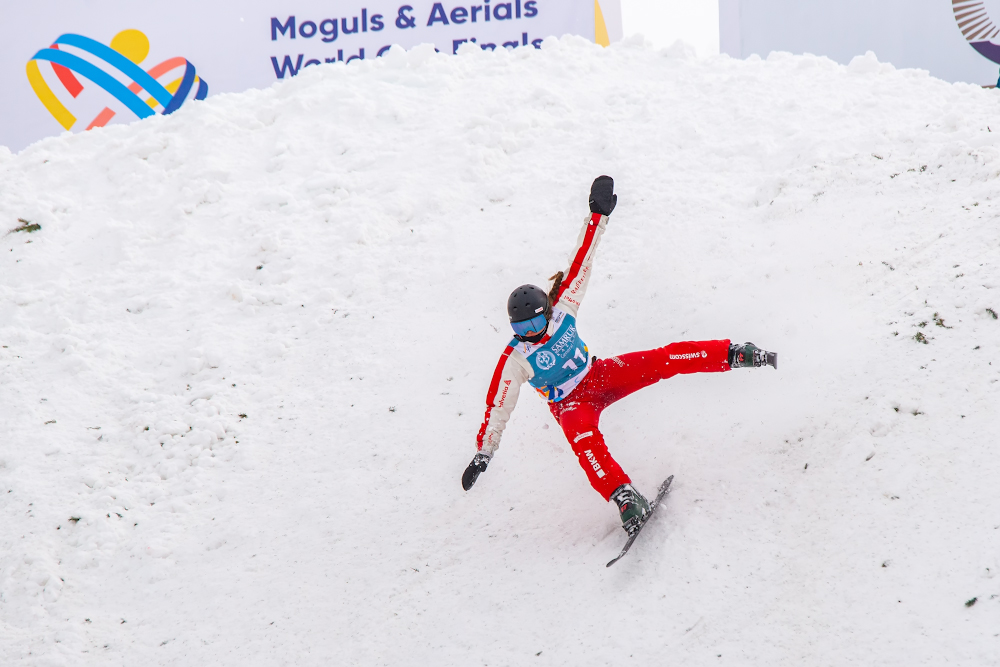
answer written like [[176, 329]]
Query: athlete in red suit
[[548, 353]]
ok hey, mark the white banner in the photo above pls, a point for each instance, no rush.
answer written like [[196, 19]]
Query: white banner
[[71, 65], [956, 40]]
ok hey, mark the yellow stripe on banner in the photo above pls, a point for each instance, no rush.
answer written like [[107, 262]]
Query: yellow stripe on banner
[[600, 28], [47, 97]]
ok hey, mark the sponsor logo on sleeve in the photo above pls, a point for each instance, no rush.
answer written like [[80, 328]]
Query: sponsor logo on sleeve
[[503, 396], [578, 283]]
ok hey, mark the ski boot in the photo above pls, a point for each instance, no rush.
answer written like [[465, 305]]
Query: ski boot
[[632, 507], [748, 354]]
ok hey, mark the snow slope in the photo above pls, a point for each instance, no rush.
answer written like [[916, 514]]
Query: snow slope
[[245, 357]]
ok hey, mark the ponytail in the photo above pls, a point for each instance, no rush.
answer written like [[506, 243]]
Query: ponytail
[[554, 290]]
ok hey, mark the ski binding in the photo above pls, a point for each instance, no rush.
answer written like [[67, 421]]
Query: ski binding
[[664, 488]]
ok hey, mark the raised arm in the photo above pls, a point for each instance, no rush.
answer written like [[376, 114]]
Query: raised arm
[[574, 282]]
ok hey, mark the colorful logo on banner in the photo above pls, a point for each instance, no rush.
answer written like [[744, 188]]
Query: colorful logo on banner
[[977, 27], [105, 69]]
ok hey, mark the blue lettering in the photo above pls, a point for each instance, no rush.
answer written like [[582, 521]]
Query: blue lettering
[[517, 9], [505, 6], [382, 51], [475, 10], [311, 62], [530, 9], [329, 30], [360, 56], [286, 67], [437, 15], [307, 29], [514, 43], [459, 14], [364, 20], [377, 22], [343, 26], [403, 19], [487, 10], [276, 27]]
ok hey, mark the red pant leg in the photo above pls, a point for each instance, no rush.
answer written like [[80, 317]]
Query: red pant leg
[[579, 422], [627, 373], [615, 378]]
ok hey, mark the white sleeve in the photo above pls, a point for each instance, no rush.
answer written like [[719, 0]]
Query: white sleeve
[[511, 372], [575, 281]]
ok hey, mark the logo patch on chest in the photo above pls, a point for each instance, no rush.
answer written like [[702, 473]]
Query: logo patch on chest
[[545, 360]]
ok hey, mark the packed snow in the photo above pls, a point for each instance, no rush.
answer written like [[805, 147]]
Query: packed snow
[[246, 353]]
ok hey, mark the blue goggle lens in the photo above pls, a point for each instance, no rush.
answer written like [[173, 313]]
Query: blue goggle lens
[[532, 326]]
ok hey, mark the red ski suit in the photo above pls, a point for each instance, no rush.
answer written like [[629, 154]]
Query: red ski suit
[[578, 400]]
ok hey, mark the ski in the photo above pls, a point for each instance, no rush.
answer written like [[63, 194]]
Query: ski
[[652, 508]]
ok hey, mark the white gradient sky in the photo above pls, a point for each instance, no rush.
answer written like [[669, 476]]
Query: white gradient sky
[[664, 21]]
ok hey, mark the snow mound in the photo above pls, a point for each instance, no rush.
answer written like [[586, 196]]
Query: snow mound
[[246, 350]]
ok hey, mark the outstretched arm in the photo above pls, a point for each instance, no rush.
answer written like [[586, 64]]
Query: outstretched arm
[[574, 283], [511, 372]]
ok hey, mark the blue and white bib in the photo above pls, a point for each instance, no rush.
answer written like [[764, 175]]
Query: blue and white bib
[[561, 362]]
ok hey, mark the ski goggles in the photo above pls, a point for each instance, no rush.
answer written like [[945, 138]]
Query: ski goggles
[[531, 327]]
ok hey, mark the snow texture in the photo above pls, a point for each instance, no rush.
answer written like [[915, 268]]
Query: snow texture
[[245, 357]]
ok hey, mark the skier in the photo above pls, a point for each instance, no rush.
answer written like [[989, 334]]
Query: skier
[[548, 353]]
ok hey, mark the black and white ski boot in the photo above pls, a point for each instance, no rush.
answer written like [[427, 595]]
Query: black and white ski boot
[[632, 507], [748, 354]]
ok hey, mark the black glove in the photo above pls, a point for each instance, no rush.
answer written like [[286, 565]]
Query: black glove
[[471, 474], [602, 195]]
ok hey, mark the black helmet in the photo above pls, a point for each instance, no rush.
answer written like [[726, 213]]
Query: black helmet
[[527, 301], [529, 312]]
